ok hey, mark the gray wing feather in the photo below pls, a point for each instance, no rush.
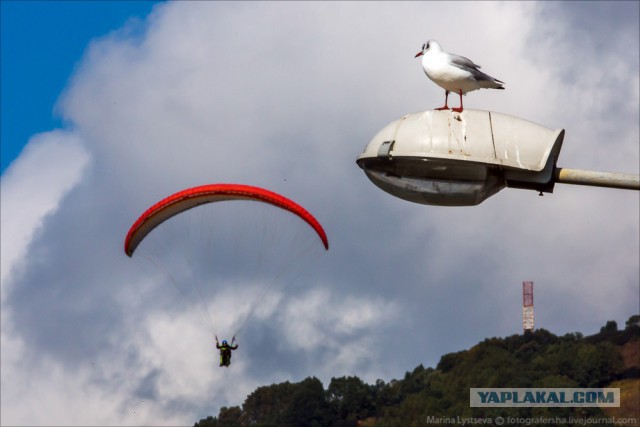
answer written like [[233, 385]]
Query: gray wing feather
[[473, 68], [462, 62]]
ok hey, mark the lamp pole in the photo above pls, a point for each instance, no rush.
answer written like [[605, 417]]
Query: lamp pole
[[622, 181]]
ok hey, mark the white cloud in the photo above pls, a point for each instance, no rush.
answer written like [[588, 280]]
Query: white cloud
[[32, 189], [50, 166], [241, 92], [316, 319], [337, 331]]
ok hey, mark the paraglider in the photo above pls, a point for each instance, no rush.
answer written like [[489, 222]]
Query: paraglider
[[225, 351], [192, 197], [230, 242]]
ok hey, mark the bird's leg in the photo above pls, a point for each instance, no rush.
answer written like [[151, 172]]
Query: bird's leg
[[446, 97], [459, 110]]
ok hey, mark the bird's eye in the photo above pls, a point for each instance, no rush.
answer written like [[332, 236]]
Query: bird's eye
[[426, 46]]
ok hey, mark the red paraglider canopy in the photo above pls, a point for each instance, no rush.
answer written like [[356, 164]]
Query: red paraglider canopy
[[192, 197]]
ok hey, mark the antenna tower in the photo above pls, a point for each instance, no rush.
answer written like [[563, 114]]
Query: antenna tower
[[527, 306]]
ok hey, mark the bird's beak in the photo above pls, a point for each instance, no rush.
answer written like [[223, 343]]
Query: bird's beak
[[418, 54]]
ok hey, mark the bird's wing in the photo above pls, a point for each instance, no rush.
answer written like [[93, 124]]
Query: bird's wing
[[462, 62], [468, 65]]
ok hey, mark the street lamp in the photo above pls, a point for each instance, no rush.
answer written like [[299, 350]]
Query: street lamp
[[460, 159]]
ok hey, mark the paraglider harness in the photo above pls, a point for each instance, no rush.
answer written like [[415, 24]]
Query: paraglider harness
[[225, 351]]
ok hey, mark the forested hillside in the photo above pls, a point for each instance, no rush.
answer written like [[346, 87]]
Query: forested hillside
[[433, 396]]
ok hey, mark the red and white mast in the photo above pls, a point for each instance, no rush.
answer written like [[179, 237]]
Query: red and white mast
[[527, 306]]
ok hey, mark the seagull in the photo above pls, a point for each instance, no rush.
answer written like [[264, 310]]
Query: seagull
[[454, 73]]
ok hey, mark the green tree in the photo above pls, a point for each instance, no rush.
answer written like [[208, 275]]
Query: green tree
[[387, 395], [350, 398], [230, 417], [308, 406], [609, 329], [207, 422], [267, 405], [448, 361], [633, 321]]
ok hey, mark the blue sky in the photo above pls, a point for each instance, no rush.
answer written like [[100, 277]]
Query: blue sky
[[42, 41], [285, 96]]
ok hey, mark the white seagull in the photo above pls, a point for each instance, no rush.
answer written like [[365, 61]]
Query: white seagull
[[454, 73]]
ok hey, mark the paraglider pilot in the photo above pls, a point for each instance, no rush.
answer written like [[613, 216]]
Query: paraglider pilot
[[225, 351]]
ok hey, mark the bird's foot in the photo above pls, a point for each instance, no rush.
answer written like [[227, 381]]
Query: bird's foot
[[457, 110], [441, 108]]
